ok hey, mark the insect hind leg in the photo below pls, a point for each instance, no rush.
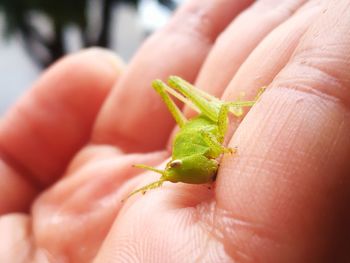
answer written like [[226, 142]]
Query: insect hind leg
[[207, 104], [160, 87]]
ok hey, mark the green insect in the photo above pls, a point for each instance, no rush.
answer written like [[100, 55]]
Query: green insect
[[199, 142]]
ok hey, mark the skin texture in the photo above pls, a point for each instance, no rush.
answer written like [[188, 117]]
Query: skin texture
[[66, 158]]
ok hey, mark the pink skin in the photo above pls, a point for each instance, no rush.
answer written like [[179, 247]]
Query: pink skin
[[68, 145]]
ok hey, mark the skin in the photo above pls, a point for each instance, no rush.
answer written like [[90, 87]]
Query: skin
[[66, 159]]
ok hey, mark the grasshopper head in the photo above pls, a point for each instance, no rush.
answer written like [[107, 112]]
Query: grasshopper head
[[195, 169]]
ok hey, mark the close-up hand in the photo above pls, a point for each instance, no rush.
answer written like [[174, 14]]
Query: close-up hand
[[68, 146]]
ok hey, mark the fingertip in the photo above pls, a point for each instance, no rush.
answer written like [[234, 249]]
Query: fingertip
[[111, 58]]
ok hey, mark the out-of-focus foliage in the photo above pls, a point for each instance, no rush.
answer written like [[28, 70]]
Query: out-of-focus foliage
[[168, 3], [46, 48], [61, 12]]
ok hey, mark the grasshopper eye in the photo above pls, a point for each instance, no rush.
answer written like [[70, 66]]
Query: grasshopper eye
[[175, 163]]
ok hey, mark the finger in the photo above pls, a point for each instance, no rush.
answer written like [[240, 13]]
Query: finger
[[16, 192], [286, 195], [260, 69], [15, 238], [179, 49], [40, 134], [239, 39]]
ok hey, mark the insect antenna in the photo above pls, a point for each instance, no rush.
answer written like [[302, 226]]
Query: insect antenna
[[150, 168]]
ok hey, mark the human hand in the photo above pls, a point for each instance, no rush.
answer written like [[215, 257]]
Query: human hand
[[282, 199]]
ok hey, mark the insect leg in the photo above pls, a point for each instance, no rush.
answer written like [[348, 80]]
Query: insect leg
[[236, 107], [260, 92], [207, 104], [150, 186], [180, 81], [215, 145], [160, 88], [223, 122]]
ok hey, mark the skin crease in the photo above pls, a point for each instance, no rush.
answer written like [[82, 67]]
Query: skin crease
[[283, 198]]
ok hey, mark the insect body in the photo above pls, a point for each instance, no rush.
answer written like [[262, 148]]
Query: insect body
[[199, 142]]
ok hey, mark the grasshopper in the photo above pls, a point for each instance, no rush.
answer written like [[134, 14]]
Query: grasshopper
[[199, 142]]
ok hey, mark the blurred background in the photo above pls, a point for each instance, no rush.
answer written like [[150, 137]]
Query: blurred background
[[35, 33]]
